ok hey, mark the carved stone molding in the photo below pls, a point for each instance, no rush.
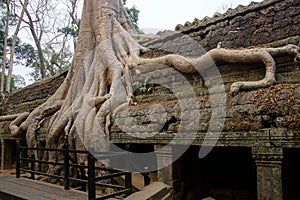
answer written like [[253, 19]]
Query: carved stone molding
[[269, 180], [266, 155]]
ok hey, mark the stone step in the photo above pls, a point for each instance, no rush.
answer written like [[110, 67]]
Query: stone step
[[208, 198], [137, 180], [154, 191], [167, 197]]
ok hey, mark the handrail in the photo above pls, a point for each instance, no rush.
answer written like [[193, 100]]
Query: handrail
[[91, 180]]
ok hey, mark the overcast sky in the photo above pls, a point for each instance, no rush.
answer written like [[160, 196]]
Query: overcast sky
[[166, 14]]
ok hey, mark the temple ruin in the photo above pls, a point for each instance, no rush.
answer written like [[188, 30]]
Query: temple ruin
[[257, 154]]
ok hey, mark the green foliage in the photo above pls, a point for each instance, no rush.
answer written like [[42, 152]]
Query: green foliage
[[145, 87], [19, 45], [72, 31], [56, 62], [133, 14], [2, 28], [16, 82]]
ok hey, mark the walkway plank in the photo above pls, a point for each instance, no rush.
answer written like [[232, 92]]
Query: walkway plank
[[37, 190]]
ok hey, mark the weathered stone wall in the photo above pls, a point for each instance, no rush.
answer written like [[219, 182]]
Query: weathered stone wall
[[233, 29], [252, 118], [271, 22], [30, 97]]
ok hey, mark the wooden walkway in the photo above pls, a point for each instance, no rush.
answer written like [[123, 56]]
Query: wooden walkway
[[37, 190]]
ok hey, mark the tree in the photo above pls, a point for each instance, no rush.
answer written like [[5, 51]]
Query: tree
[[12, 50], [16, 81], [5, 45], [98, 81], [72, 29], [13, 46], [51, 52], [133, 14]]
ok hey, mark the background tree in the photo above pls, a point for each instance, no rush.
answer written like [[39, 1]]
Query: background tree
[[52, 52], [16, 81], [10, 45], [13, 45], [133, 14], [5, 38], [72, 29]]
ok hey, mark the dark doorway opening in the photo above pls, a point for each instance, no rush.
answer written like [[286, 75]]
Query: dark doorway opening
[[291, 174], [226, 173]]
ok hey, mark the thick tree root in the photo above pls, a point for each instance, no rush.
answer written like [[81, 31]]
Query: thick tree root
[[193, 65], [14, 125], [12, 117]]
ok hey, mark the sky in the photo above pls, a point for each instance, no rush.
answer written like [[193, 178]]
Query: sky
[[166, 14], [158, 15]]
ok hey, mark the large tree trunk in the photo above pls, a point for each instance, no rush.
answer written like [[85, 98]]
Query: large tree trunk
[[98, 81], [94, 85]]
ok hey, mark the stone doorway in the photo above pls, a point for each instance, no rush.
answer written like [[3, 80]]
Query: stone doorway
[[226, 173], [291, 174], [8, 153]]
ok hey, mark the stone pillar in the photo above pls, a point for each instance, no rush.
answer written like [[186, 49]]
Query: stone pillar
[[269, 180], [164, 174], [2, 153]]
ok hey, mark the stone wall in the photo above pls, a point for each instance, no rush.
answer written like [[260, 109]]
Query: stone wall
[[28, 98], [271, 22], [249, 114], [233, 29], [254, 118]]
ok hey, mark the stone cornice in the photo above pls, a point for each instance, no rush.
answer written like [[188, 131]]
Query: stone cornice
[[267, 155]]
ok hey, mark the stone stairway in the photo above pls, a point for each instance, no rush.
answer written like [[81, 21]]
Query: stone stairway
[[154, 191]]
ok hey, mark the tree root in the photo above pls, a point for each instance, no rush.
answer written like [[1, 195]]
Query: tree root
[[193, 65], [12, 117], [14, 125]]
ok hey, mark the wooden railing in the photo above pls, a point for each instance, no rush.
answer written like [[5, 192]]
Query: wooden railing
[[26, 163]]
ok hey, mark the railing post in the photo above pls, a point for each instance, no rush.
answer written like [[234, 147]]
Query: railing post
[[91, 177], [67, 166], [2, 153], [128, 182], [32, 167], [18, 160], [147, 179], [83, 177]]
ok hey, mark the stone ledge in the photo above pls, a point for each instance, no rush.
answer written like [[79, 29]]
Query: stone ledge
[[287, 139], [154, 191]]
